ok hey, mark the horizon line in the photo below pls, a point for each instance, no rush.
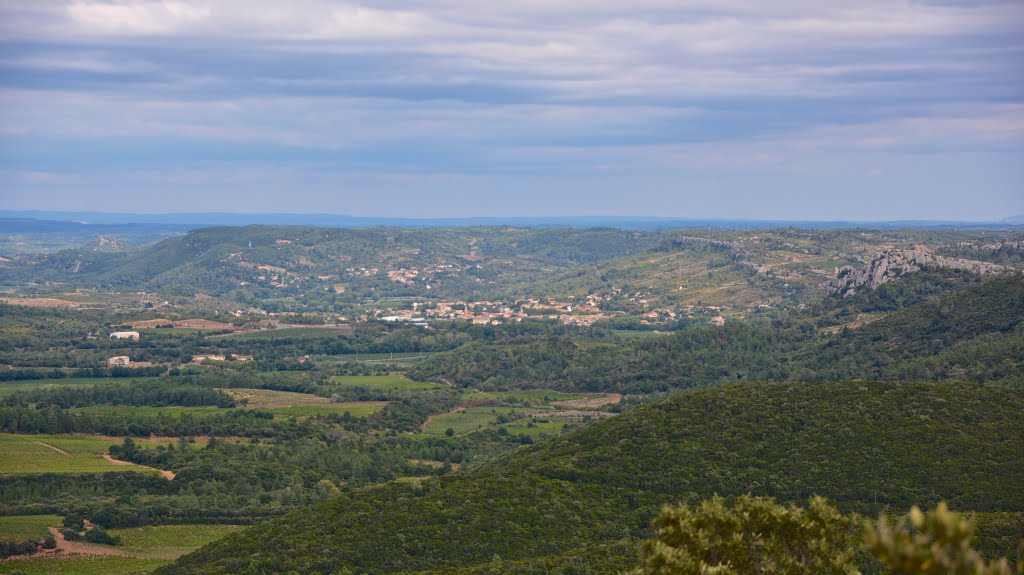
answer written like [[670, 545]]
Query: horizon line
[[646, 218]]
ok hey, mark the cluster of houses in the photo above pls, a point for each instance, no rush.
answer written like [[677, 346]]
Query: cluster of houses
[[495, 312], [125, 361], [200, 358]]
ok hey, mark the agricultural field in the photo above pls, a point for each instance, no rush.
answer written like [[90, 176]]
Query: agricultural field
[[638, 334], [81, 565], [26, 527], [353, 408], [383, 382], [535, 429], [271, 399], [170, 541], [469, 419], [287, 403], [288, 332], [10, 387], [34, 454], [151, 411], [377, 357]]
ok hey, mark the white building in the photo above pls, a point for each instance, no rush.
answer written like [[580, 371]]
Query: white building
[[125, 335], [119, 361]]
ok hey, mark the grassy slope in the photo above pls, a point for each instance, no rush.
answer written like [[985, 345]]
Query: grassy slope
[[22, 527], [856, 443], [21, 454]]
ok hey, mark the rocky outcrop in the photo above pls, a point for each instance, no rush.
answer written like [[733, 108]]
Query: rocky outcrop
[[891, 264], [734, 249]]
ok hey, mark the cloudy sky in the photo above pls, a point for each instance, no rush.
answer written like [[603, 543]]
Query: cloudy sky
[[875, 109]]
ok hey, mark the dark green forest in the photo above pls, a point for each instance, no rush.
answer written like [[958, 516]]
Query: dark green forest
[[865, 446], [974, 333]]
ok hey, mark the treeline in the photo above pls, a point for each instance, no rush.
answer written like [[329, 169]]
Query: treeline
[[238, 422], [138, 393], [61, 373]]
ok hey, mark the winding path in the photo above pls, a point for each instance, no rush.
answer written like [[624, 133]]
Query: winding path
[[57, 449], [166, 474]]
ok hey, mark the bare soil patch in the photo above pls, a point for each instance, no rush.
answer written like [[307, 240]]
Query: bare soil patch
[[166, 474], [82, 548], [45, 302], [150, 323], [590, 402]]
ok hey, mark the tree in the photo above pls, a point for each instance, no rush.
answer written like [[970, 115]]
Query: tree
[[936, 543], [754, 535]]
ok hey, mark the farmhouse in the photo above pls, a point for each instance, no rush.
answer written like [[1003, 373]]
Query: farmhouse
[[119, 361], [125, 335], [203, 357], [238, 357]]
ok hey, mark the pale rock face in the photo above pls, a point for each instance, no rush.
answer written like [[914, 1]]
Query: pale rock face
[[891, 264]]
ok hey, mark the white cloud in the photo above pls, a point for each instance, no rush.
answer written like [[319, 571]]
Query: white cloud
[[137, 18]]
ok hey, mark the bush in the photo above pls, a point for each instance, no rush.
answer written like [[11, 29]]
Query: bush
[[754, 535], [74, 522], [937, 543], [10, 548], [99, 535]]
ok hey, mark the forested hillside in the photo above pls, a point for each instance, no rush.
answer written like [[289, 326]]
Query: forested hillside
[[865, 446], [637, 272], [458, 260], [975, 333]]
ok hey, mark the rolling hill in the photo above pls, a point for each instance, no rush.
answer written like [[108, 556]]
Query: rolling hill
[[313, 268], [580, 499], [971, 330]]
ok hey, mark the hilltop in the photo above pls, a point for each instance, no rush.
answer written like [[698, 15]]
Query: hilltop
[[865, 446], [573, 274]]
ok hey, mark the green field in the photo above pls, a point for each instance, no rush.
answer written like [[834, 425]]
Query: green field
[[26, 527], [554, 426], [376, 357], [541, 396], [81, 565], [354, 408], [9, 387], [33, 454], [384, 382], [289, 332], [170, 541], [150, 411], [175, 332], [471, 419], [357, 409], [638, 333]]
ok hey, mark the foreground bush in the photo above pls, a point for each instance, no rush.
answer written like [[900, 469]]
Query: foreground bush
[[756, 535], [937, 543]]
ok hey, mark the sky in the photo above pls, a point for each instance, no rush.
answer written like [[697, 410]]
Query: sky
[[771, 109]]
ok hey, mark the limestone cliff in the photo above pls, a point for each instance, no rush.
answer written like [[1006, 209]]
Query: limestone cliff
[[891, 264]]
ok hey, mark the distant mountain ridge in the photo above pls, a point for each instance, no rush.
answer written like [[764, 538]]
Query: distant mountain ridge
[[203, 219], [665, 273]]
